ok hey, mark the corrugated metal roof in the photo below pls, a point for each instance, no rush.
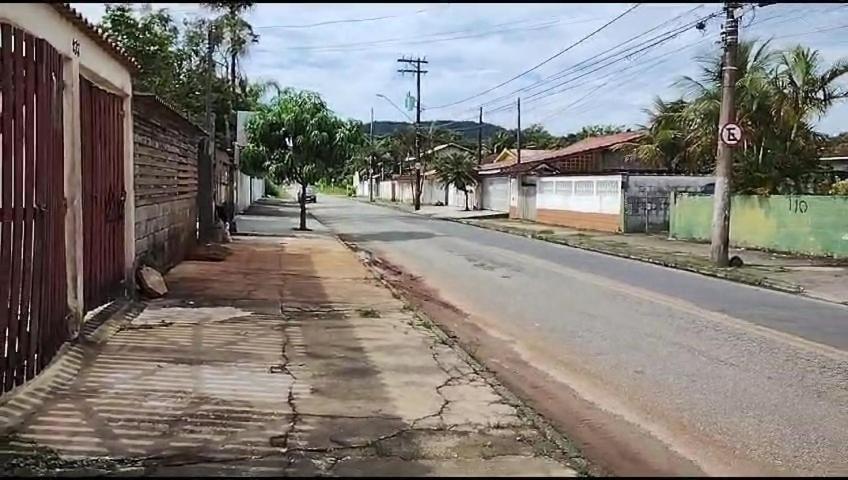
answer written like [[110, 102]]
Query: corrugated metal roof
[[96, 34]]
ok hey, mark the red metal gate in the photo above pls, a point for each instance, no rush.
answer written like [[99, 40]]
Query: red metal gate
[[33, 288], [102, 141]]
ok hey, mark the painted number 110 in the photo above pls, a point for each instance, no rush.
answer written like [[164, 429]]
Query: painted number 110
[[797, 205]]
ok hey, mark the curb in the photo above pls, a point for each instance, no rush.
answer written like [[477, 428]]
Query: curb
[[791, 288]]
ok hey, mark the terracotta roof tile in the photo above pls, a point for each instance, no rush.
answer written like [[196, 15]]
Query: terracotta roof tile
[[96, 34], [591, 143]]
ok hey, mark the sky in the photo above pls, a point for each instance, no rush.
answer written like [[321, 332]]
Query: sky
[[348, 53]]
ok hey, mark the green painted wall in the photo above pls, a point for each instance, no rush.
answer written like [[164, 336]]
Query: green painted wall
[[815, 225]]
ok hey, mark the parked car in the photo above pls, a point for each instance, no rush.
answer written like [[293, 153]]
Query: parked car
[[310, 195]]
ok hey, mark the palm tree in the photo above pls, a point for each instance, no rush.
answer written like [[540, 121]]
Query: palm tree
[[238, 34], [664, 143], [456, 169], [778, 96], [237, 31]]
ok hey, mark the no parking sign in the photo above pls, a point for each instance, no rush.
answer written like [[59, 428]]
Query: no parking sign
[[731, 134]]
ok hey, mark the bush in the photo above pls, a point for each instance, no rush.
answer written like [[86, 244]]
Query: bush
[[271, 189], [839, 188]]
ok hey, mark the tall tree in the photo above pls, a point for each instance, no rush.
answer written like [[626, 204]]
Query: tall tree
[[298, 139], [779, 96], [152, 39], [173, 61], [237, 35]]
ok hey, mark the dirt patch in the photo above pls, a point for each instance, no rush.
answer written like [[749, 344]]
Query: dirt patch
[[611, 445]]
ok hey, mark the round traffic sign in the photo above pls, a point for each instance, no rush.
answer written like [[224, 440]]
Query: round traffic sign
[[731, 134]]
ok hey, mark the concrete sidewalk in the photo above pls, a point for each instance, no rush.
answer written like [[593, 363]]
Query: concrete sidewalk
[[287, 358], [819, 277]]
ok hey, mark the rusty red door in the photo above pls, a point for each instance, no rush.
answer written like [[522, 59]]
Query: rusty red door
[[33, 285], [102, 143]]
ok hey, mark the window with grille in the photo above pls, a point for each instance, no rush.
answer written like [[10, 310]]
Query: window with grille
[[546, 187], [584, 188], [564, 188]]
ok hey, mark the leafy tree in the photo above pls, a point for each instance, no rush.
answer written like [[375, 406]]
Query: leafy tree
[[173, 63], [598, 131], [537, 137], [502, 140], [296, 138], [236, 35], [152, 39], [456, 169]]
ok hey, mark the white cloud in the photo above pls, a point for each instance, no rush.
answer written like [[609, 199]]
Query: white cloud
[[519, 36]]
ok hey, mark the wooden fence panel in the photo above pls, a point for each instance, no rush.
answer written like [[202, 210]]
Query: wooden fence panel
[[33, 289]]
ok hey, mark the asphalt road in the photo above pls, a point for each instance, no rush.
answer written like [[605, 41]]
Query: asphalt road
[[734, 378]]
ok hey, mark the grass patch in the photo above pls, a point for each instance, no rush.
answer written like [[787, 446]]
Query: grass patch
[[368, 313], [334, 190]]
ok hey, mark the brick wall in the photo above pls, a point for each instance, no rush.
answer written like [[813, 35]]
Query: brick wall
[[165, 174]]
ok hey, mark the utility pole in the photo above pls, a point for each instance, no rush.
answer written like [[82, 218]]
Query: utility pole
[[371, 161], [206, 166], [417, 71], [724, 159], [480, 138], [518, 133]]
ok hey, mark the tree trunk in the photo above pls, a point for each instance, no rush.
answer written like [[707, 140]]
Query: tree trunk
[[302, 206], [466, 199]]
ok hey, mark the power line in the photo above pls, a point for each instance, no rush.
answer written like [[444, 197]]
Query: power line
[[597, 58], [666, 37], [582, 63], [348, 20], [659, 60], [544, 61], [811, 32], [494, 29]]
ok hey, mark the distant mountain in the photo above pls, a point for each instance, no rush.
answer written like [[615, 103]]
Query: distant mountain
[[467, 129]]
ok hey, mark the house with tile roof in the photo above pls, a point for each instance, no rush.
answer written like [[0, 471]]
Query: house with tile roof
[[590, 184]]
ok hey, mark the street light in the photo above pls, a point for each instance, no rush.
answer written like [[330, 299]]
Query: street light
[[396, 107], [418, 163]]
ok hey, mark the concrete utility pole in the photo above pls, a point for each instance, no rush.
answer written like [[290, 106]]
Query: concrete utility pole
[[417, 71], [371, 161], [480, 138], [518, 134], [206, 166], [724, 159]]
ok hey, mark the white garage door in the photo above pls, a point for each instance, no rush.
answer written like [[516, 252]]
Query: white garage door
[[496, 194]]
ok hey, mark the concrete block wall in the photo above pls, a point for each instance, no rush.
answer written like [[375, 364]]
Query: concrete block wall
[[165, 231], [166, 178]]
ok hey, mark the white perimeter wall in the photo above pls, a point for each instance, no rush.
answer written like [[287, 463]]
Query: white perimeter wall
[[591, 194]]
